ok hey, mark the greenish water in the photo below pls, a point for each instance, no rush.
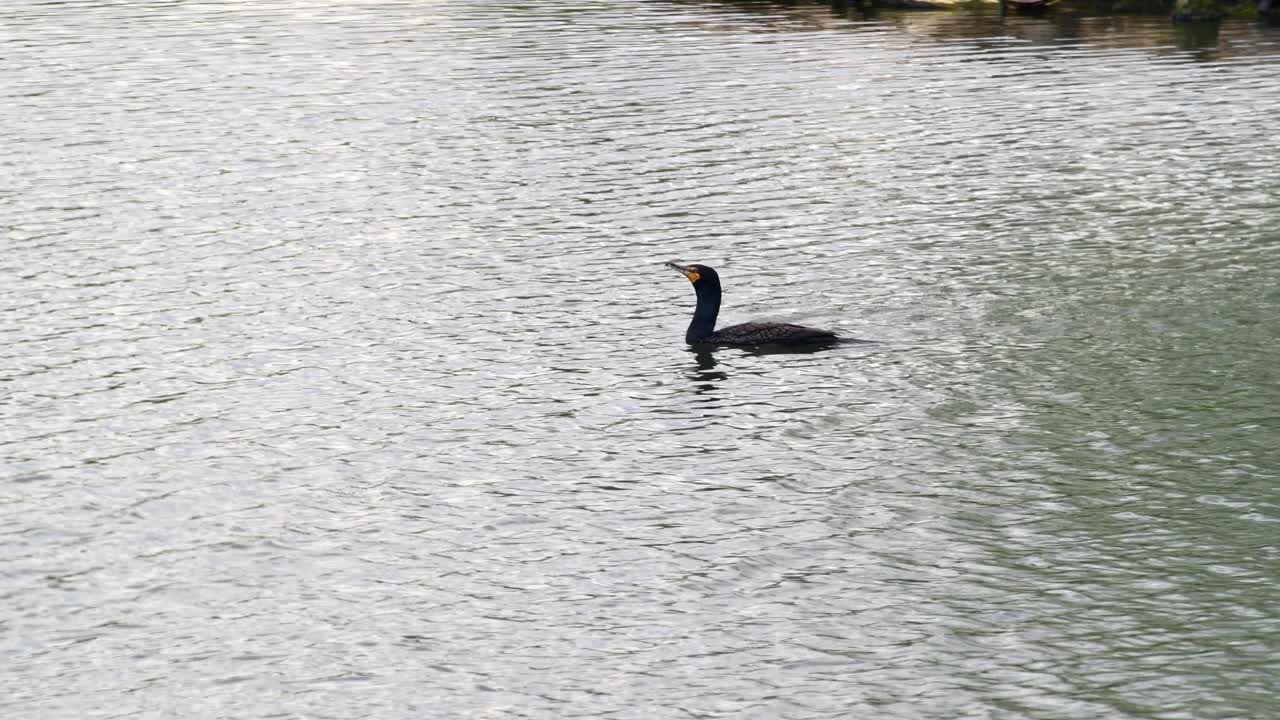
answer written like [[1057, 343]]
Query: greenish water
[[342, 377]]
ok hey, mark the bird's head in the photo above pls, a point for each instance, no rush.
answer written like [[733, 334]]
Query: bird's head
[[696, 273]]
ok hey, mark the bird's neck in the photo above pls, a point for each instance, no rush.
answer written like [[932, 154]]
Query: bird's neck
[[704, 316]]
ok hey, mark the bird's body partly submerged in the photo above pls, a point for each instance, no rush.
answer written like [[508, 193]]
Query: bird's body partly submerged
[[706, 283]]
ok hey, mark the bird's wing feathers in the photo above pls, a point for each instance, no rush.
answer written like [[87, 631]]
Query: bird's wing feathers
[[759, 333]]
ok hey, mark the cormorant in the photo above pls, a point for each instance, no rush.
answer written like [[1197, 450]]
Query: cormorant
[[706, 283]]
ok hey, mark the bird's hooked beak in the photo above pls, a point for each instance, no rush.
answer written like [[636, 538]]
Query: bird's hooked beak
[[686, 271]]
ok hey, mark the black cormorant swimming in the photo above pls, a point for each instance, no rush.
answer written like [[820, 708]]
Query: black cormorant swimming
[[706, 283]]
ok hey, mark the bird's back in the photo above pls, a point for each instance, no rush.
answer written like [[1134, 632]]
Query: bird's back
[[768, 333]]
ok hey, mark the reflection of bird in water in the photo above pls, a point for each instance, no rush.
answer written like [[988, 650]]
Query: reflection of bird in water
[[706, 374], [706, 283]]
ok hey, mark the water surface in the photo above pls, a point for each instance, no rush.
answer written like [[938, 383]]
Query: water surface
[[342, 377]]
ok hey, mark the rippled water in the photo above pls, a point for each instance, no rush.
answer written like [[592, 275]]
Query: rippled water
[[342, 377]]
